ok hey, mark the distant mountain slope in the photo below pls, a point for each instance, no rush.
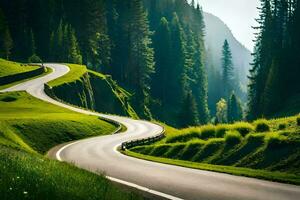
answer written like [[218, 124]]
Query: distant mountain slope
[[216, 32]]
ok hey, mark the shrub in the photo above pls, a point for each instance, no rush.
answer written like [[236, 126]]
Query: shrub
[[34, 59], [243, 128], [262, 126], [282, 126], [276, 141], [255, 138], [221, 130], [298, 121], [233, 137], [184, 137], [208, 131]]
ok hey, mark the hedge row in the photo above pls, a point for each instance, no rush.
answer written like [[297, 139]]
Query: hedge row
[[21, 76]]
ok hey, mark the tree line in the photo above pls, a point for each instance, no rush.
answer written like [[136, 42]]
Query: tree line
[[153, 48], [274, 79]]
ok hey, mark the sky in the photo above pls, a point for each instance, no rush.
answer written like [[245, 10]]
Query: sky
[[239, 15]]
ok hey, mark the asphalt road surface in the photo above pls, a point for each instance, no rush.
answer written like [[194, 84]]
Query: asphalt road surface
[[99, 155]]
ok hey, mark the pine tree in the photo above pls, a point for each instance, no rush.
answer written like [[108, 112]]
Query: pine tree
[[141, 55], [2, 31], [235, 110], [200, 86], [74, 51], [162, 44], [188, 115], [7, 43], [177, 74], [227, 67]]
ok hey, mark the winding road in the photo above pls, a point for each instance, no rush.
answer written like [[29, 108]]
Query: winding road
[[99, 154]]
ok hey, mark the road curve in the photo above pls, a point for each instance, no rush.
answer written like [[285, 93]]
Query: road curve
[[99, 154]]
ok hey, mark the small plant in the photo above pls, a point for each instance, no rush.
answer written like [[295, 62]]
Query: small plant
[[208, 131], [282, 126], [243, 128], [184, 137], [276, 140], [298, 121], [262, 126], [233, 137], [221, 130], [256, 138], [34, 59]]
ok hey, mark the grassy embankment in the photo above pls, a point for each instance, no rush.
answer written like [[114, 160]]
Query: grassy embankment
[[262, 149], [93, 90], [8, 68], [28, 128]]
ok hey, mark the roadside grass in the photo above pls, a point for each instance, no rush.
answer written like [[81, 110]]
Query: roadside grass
[[239, 171], [27, 176], [9, 68], [41, 125], [270, 149], [75, 74], [48, 71], [28, 128]]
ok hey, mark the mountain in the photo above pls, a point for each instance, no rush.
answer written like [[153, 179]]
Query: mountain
[[216, 33]]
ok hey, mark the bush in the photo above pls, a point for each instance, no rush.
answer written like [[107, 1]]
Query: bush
[[233, 137], [255, 138], [282, 126], [221, 130], [208, 131], [262, 126], [276, 141], [243, 128], [298, 121], [34, 59], [184, 137]]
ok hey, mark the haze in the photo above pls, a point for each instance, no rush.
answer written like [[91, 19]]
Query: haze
[[239, 15]]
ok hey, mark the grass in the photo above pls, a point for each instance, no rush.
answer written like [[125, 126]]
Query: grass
[[9, 68], [269, 149], [28, 128], [239, 171], [75, 74], [28, 176], [41, 125]]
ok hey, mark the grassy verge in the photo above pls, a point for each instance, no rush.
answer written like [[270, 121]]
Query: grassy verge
[[9, 68], [40, 125], [27, 176], [2, 87], [239, 171], [267, 149], [28, 128]]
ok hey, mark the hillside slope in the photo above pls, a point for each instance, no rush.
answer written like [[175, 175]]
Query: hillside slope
[[28, 128], [92, 90], [271, 147], [216, 32]]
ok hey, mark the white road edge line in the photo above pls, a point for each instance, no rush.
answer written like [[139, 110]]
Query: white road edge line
[[132, 185]]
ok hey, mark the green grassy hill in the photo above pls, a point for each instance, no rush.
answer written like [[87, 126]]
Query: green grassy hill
[[34, 125], [264, 149], [92, 90], [28, 129], [13, 73], [9, 68]]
